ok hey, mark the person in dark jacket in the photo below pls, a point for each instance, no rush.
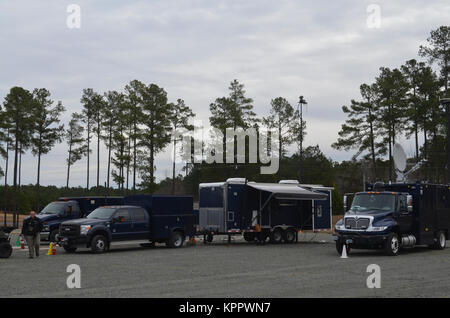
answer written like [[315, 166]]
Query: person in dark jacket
[[31, 229]]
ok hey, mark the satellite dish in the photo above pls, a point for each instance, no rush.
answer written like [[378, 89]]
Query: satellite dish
[[399, 157]]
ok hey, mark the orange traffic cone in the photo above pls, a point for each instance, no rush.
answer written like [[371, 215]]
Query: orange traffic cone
[[53, 249], [22, 243]]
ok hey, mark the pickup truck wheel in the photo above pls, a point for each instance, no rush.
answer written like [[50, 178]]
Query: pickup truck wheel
[[70, 249], [289, 236], [276, 237], [340, 247], [99, 244], [208, 238], [392, 245], [5, 250], [249, 236], [54, 236], [176, 240], [441, 241]]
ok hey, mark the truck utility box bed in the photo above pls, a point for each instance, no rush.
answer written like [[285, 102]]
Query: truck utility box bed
[[167, 214]]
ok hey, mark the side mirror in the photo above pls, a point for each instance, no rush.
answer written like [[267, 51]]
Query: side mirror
[[345, 203], [409, 202]]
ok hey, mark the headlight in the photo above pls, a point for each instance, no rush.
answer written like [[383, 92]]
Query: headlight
[[339, 225], [84, 229], [46, 228], [377, 228]]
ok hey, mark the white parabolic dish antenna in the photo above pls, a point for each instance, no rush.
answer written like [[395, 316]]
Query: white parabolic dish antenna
[[399, 157]]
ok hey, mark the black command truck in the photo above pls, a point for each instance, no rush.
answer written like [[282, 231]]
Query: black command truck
[[144, 219], [395, 216]]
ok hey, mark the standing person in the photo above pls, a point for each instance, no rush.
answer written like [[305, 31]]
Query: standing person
[[31, 229]]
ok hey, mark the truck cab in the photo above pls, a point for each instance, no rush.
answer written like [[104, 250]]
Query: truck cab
[[69, 208], [398, 216], [54, 214]]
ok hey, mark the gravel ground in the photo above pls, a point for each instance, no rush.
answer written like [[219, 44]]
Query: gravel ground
[[310, 268]]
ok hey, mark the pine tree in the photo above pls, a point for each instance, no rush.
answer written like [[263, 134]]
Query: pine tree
[[46, 134], [156, 131], [89, 100], [234, 111], [438, 51], [180, 121], [360, 130], [77, 148], [391, 115], [134, 98], [18, 104], [285, 120]]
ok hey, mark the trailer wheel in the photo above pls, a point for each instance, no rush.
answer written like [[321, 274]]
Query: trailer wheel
[[392, 245], [176, 239], [99, 244], [340, 247], [276, 237], [441, 241], [289, 236], [5, 250], [70, 249]]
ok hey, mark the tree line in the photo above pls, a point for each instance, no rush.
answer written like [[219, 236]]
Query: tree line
[[136, 124], [404, 101]]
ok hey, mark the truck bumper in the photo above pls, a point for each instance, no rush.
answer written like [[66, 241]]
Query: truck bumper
[[357, 240], [81, 241]]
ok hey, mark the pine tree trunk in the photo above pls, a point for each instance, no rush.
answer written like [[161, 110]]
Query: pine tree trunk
[[68, 162], [16, 160], [38, 195], [98, 153], [173, 167], [109, 157], [88, 143]]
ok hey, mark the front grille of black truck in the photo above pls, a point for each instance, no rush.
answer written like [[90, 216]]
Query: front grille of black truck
[[69, 230], [357, 223]]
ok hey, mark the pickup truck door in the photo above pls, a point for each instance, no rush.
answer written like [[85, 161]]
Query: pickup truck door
[[122, 225], [141, 228]]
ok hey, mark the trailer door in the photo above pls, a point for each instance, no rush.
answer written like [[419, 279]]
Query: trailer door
[[322, 209]]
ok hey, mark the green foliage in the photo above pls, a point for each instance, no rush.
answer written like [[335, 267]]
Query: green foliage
[[156, 132], [77, 149]]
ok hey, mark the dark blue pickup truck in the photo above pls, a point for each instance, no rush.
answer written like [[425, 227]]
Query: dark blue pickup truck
[[150, 218], [69, 208]]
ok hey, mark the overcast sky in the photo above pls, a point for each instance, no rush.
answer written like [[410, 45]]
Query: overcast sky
[[193, 48]]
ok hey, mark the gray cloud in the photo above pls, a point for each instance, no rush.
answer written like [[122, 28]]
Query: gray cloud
[[194, 48]]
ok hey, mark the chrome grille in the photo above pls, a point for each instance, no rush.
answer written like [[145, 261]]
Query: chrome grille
[[69, 230], [357, 223]]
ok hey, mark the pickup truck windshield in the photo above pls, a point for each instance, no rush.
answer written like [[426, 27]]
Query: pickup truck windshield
[[101, 213], [373, 202], [54, 208]]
